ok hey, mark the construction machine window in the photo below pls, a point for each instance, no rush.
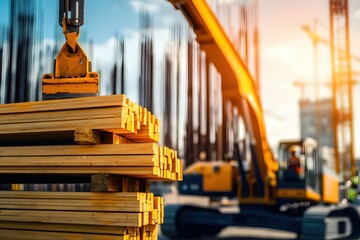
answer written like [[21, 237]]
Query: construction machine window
[[295, 164], [291, 162], [310, 155], [312, 165], [282, 156]]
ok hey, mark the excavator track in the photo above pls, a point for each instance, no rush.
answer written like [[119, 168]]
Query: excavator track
[[184, 221], [318, 222], [169, 227], [331, 222]]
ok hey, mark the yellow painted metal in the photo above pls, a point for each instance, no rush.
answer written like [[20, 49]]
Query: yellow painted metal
[[87, 84], [237, 83], [330, 188], [217, 176], [257, 200], [299, 194], [71, 64], [72, 71], [268, 198]]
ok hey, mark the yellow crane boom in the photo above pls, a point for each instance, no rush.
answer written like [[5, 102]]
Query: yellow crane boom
[[238, 88]]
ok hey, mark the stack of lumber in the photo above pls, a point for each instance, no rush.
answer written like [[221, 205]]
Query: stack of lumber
[[84, 215], [141, 160], [107, 142], [115, 114]]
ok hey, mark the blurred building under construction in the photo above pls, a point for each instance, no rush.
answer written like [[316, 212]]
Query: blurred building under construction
[[330, 120], [308, 121], [21, 56]]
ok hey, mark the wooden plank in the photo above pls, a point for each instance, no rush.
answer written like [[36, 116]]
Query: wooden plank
[[80, 161], [116, 183], [152, 231], [106, 183], [60, 126], [52, 116], [159, 205], [153, 217], [81, 150], [65, 228], [180, 174], [98, 205], [86, 136], [70, 195], [140, 139], [112, 138], [74, 217], [141, 172], [42, 235], [64, 104], [145, 218], [144, 116]]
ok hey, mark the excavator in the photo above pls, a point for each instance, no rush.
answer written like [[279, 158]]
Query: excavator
[[305, 200]]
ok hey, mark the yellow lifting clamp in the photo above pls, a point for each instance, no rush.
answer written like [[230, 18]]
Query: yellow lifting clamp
[[72, 69]]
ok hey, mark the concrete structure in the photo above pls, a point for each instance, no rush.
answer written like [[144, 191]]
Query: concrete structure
[[309, 112]]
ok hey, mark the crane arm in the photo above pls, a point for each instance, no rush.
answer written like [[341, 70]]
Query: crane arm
[[237, 85], [71, 17], [73, 13], [72, 75]]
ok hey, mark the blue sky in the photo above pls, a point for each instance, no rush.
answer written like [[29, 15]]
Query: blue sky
[[103, 19]]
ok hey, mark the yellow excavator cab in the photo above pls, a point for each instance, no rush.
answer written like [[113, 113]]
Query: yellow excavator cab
[[214, 178]]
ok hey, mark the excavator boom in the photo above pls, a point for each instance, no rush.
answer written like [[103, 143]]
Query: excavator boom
[[238, 88]]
